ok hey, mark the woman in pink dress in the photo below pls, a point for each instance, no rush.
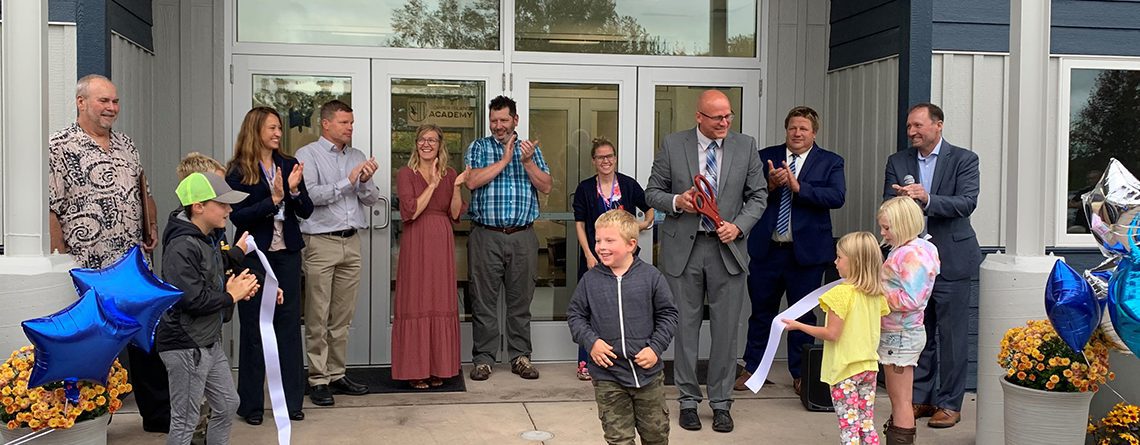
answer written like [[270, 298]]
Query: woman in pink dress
[[425, 333]]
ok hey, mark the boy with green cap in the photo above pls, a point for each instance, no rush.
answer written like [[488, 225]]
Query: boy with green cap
[[189, 336]]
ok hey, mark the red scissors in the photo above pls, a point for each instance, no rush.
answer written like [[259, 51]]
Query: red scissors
[[704, 201]]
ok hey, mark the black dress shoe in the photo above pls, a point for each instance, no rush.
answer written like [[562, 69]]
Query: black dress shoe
[[345, 386], [297, 416], [722, 421], [253, 419], [321, 395], [689, 419]]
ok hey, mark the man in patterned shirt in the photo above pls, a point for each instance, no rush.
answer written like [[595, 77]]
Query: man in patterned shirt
[[93, 185], [503, 249], [96, 214]]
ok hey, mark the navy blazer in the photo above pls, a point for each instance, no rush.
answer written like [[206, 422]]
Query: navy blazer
[[953, 198], [255, 214], [823, 187]]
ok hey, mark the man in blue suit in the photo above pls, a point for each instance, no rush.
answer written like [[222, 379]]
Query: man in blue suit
[[792, 244], [943, 179]]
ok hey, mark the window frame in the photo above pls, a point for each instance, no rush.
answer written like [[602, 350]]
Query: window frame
[[1061, 191], [506, 53]]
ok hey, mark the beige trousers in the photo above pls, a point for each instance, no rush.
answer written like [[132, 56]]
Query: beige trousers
[[332, 278]]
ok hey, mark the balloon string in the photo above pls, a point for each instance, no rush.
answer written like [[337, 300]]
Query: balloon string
[[1085, 356]]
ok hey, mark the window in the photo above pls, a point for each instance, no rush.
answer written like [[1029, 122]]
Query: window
[[654, 27], [452, 24], [298, 100], [1103, 115]]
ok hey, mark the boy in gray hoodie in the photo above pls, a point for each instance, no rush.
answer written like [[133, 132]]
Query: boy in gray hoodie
[[188, 339], [622, 313]]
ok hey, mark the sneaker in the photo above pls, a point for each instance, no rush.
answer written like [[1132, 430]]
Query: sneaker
[[523, 368], [583, 372], [481, 372]]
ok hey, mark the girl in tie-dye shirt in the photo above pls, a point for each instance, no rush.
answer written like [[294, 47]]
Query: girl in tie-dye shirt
[[908, 279]]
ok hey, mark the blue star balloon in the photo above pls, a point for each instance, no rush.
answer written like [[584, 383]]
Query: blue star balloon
[[131, 291], [77, 343], [1071, 306], [1124, 303]]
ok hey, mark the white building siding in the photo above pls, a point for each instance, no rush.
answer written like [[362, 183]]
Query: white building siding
[[861, 111], [61, 76], [797, 62], [133, 75], [973, 91]]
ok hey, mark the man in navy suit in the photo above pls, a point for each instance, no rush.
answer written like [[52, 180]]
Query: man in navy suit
[[944, 182], [792, 245]]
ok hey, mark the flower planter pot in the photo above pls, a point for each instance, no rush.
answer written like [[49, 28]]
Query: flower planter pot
[[87, 432], [1035, 417]]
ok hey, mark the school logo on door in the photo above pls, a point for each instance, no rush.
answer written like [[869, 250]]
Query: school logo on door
[[417, 110]]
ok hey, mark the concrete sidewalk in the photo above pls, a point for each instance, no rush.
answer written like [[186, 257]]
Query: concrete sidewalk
[[500, 410]]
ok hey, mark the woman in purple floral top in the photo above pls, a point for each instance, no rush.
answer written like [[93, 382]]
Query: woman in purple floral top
[[908, 279]]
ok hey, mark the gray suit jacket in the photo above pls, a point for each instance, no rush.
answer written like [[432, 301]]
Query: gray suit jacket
[[741, 196], [953, 198]]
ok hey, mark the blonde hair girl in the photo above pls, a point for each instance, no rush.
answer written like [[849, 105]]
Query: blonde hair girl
[[850, 336], [908, 281]]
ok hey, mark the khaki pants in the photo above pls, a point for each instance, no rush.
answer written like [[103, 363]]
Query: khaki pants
[[625, 410], [332, 278]]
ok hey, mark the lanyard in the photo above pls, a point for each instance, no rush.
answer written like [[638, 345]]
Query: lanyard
[[270, 174], [615, 195]]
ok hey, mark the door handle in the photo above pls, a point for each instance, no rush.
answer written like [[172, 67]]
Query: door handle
[[387, 218]]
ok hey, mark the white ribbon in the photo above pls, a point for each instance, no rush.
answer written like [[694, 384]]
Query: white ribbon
[[806, 304], [269, 347]]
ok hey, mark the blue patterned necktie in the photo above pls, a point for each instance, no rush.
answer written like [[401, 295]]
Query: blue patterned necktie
[[711, 175], [784, 219]]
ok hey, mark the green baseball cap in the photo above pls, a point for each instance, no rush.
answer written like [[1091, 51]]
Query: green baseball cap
[[201, 187]]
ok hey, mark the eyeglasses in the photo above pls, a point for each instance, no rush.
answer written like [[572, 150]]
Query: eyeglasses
[[608, 157], [727, 118], [427, 141]]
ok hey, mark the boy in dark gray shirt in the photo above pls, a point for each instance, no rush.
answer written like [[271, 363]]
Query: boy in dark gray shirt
[[622, 313]]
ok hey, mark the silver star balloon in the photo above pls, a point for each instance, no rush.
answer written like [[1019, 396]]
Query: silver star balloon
[[1113, 209]]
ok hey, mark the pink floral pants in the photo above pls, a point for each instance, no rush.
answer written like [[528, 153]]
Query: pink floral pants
[[854, 400]]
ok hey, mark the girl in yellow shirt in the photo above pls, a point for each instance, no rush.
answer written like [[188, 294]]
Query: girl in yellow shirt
[[851, 336]]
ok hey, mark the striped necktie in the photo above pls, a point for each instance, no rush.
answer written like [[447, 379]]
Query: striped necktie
[[784, 218], [711, 175]]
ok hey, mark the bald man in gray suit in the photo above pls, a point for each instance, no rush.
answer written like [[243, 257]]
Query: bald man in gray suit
[[701, 259]]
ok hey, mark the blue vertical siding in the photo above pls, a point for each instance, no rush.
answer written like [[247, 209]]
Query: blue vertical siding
[[1089, 27]]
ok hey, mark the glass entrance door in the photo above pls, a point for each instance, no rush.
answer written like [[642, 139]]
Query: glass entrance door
[[297, 87], [565, 108], [453, 96], [667, 103]]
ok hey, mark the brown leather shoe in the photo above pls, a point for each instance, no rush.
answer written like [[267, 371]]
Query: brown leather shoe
[[944, 418], [921, 411], [523, 368], [797, 385], [739, 385]]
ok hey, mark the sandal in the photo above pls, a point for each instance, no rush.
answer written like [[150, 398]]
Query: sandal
[[435, 382], [583, 372], [418, 384]]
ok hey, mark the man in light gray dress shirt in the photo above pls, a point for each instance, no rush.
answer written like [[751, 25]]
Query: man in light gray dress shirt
[[339, 180]]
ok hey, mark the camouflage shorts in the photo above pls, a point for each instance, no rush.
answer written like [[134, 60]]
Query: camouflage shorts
[[626, 410]]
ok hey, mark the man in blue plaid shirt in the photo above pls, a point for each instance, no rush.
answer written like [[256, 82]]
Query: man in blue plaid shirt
[[502, 250]]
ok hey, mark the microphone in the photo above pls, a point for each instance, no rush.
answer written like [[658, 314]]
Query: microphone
[[908, 180]]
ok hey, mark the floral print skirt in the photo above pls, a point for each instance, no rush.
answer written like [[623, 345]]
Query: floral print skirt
[[854, 400]]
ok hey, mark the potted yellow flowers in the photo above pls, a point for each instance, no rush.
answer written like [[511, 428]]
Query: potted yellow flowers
[[1121, 426], [46, 411], [1048, 386]]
